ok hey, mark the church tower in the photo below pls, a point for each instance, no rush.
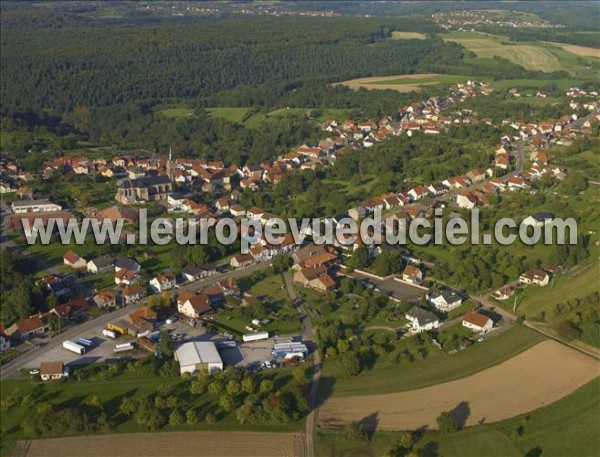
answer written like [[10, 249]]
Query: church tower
[[171, 167]]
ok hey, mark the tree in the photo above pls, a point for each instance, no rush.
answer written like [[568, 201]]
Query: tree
[[266, 385], [198, 386], [191, 417], [355, 432], [176, 418], [54, 323], [128, 406], [165, 344], [233, 387], [387, 263], [248, 385], [360, 257], [51, 300], [446, 422], [350, 364], [281, 263], [406, 441]]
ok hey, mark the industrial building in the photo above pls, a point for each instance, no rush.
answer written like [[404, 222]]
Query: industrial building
[[198, 355]]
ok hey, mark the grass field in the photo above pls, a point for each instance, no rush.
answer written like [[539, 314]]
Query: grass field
[[408, 36], [579, 50], [534, 378], [546, 57], [177, 112], [569, 426], [438, 367]]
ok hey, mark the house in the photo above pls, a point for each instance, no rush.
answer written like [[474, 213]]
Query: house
[[198, 356], [4, 340], [143, 319], [195, 306], [237, 211], [535, 276], [476, 175], [105, 299], [254, 213], [133, 293], [25, 329], [466, 200], [191, 273], [229, 286], [222, 204], [421, 320], [51, 371], [126, 263], [315, 278], [302, 255], [412, 274], [477, 322], [416, 193], [444, 299], [127, 277], [99, 264], [241, 260], [504, 293], [162, 282], [73, 260], [539, 219], [357, 213]]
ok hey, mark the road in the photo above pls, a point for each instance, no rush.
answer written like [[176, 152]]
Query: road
[[308, 337], [11, 369]]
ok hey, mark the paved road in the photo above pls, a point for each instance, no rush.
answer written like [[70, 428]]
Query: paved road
[[308, 337], [11, 369]]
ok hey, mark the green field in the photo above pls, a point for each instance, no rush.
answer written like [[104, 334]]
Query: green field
[[177, 112], [387, 377], [408, 36], [567, 427], [530, 55]]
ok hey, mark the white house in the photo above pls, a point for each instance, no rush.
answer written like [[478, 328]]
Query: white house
[[241, 260], [412, 274], [100, 264], [539, 219], [162, 282], [477, 322], [421, 320], [51, 371], [444, 299], [133, 293], [535, 276], [194, 306], [466, 200], [73, 260]]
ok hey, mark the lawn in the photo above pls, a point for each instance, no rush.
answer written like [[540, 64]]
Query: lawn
[[437, 367], [178, 113], [111, 392], [569, 426]]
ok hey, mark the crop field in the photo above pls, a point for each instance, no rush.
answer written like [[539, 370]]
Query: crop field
[[402, 83], [408, 36], [173, 444], [537, 377], [579, 50], [531, 57]]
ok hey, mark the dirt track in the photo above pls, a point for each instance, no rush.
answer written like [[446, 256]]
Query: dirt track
[[535, 378], [356, 84], [173, 444]]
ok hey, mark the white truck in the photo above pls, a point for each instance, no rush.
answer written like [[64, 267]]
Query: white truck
[[123, 347], [256, 336], [109, 333], [73, 347]]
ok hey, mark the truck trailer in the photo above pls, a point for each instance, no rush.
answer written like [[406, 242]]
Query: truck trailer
[[256, 336], [123, 347], [73, 347], [109, 333]]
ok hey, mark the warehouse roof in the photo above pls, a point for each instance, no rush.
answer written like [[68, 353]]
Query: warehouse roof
[[198, 352]]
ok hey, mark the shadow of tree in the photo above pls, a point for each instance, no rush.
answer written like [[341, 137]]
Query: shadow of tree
[[461, 413], [534, 452], [370, 423]]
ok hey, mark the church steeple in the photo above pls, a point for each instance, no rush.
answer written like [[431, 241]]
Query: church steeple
[[171, 166]]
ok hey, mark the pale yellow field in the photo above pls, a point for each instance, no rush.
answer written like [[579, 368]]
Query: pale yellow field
[[408, 36], [528, 56], [537, 377], [172, 444], [578, 50], [357, 83]]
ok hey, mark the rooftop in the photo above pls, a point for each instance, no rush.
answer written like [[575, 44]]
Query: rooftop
[[197, 352]]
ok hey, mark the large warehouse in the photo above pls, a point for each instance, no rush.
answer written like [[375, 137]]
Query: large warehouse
[[198, 355]]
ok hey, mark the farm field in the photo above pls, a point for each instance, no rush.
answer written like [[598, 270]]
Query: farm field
[[408, 36], [578, 50], [438, 367], [402, 83], [543, 430], [174, 444], [537, 377]]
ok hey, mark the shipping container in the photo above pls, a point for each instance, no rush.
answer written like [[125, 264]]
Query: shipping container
[[73, 347], [256, 336]]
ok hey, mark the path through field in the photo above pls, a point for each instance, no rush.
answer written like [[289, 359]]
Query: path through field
[[172, 444], [537, 377]]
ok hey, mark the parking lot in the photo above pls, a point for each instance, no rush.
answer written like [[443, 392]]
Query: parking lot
[[250, 354]]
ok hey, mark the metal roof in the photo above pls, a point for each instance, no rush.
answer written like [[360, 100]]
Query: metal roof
[[197, 352]]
